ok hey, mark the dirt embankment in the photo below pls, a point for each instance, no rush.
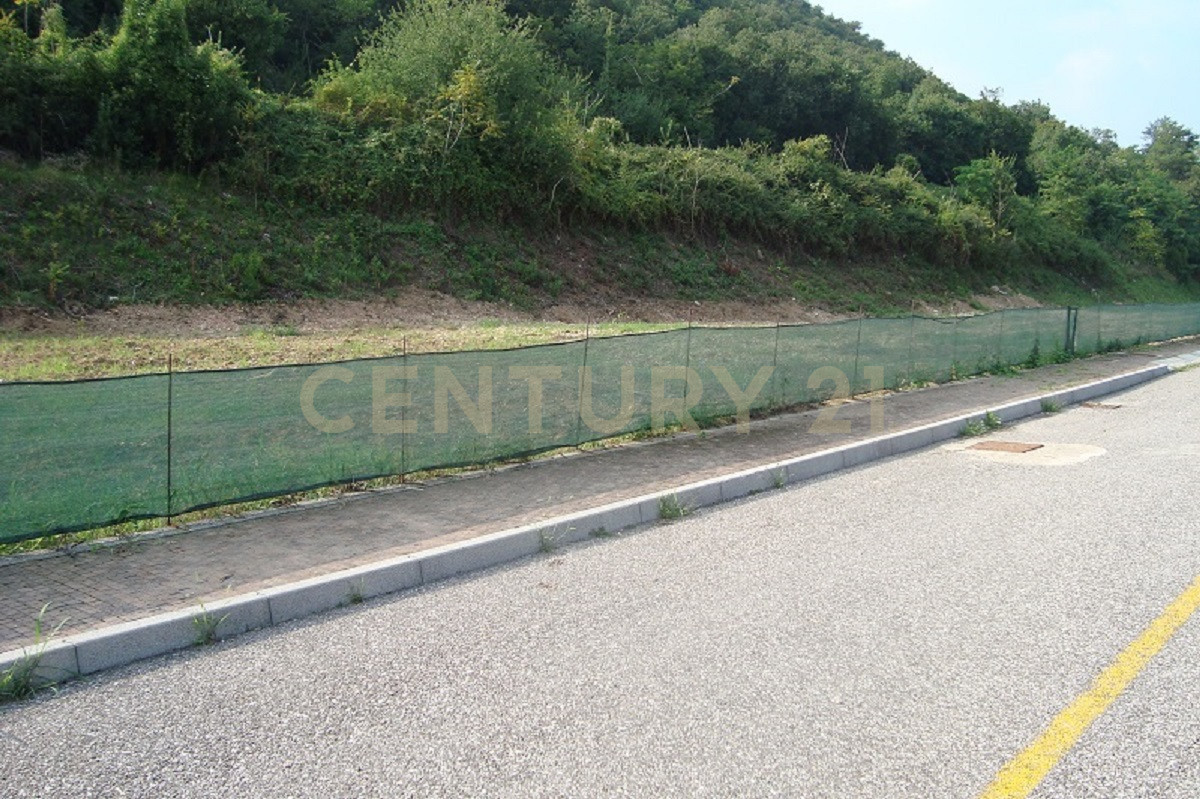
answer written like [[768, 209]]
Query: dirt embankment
[[423, 309]]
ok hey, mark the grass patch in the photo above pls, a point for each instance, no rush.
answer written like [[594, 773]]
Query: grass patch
[[206, 625], [21, 680], [973, 428], [35, 357], [670, 508], [1051, 406], [988, 423]]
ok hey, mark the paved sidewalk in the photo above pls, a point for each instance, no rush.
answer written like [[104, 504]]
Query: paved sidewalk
[[134, 579]]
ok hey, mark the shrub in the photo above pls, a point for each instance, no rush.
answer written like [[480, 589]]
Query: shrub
[[48, 87], [166, 100], [476, 94]]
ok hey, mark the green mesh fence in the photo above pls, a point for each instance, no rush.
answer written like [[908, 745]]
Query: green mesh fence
[[77, 455], [84, 454]]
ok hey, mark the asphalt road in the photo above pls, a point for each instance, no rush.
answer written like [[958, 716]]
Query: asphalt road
[[900, 630]]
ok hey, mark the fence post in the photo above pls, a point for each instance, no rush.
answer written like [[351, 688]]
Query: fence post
[[857, 348], [1000, 343], [912, 338], [954, 375], [587, 335], [1072, 319], [687, 350], [775, 368], [170, 430], [403, 418]]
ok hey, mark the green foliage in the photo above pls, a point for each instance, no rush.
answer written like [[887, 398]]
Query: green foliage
[[48, 88], [670, 508], [1172, 149], [716, 120], [318, 32], [21, 680], [146, 96], [990, 184], [458, 86], [255, 29], [166, 100], [973, 428], [206, 625]]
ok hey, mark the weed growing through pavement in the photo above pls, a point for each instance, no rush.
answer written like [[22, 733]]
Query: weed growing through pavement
[[601, 532], [546, 543], [1050, 406], [669, 507], [206, 626], [20, 680], [978, 427], [973, 428], [779, 478], [357, 593]]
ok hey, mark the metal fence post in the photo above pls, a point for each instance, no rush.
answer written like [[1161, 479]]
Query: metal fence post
[[403, 418], [587, 335], [170, 430], [857, 349], [912, 338], [1072, 320], [775, 368], [1000, 342], [687, 347], [954, 375]]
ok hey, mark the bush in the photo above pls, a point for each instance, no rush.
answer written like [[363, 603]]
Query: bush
[[166, 100], [473, 90], [48, 87]]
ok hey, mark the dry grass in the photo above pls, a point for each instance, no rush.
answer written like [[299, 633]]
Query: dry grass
[[42, 356]]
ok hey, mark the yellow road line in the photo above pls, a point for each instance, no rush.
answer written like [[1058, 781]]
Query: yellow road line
[[1025, 771]]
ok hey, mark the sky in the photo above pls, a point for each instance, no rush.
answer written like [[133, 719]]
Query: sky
[[1109, 64]]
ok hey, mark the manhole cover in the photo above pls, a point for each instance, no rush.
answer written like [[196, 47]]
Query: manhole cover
[[1006, 446], [1101, 406]]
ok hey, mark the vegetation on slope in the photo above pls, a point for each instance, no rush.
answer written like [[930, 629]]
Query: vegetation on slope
[[764, 125]]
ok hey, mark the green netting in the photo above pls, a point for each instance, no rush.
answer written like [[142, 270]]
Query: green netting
[[79, 455], [816, 362], [735, 367], [932, 344], [88, 453], [883, 354]]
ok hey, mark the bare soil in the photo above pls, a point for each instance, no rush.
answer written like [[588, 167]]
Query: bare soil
[[421, 309]]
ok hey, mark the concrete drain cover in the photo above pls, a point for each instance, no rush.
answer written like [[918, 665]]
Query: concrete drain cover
[[1101, 406], [1006, 446]]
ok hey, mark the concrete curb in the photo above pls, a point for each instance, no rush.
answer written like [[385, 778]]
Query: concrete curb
[[1180, 362], [118, 645]]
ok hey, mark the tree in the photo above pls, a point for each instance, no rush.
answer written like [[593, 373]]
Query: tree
[[252, 28], [938, 127], [990, 183], [28, 4], [165, 98], [1171, 148]]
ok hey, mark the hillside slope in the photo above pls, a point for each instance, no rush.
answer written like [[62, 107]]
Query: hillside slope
[[720, 148]]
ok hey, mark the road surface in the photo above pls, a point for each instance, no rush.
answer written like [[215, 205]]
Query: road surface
[[901, 630]]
